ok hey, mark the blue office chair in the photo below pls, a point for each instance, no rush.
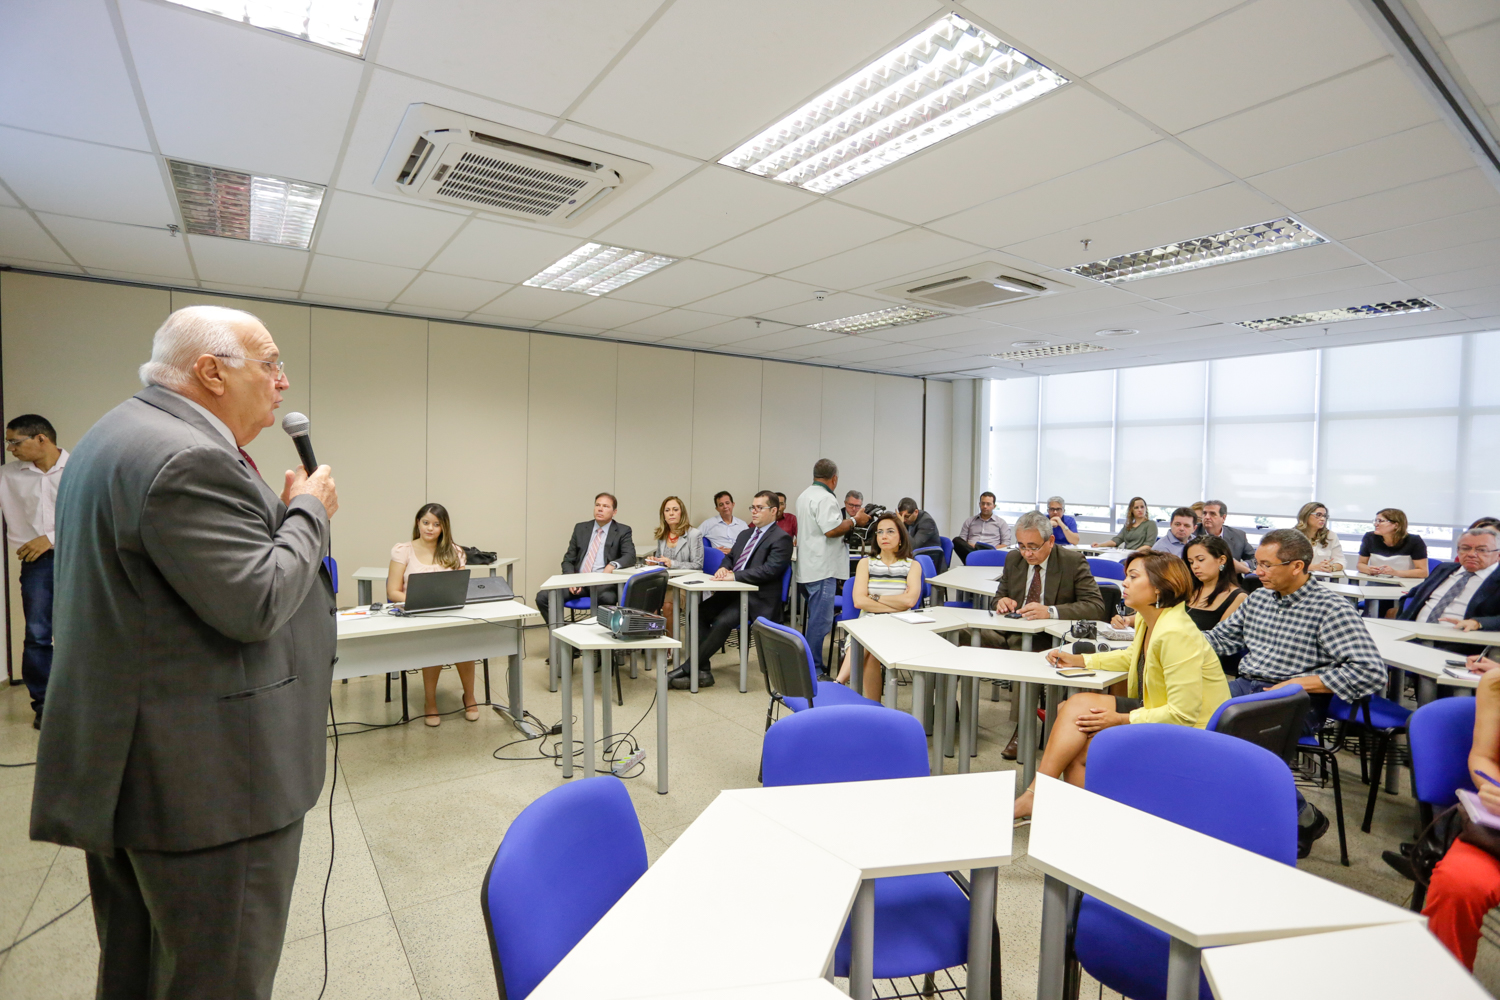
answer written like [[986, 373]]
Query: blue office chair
[[1386, 719], [1216, 784], [786, 593], [921, 921], [550, 882], [1271, 719], [928, 571], [1106, 569], [947, 544], [1441, 734], [712, 558], [786, 660], [843, 610]]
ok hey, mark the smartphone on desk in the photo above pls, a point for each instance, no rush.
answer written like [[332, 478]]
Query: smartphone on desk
[[1074, 672]]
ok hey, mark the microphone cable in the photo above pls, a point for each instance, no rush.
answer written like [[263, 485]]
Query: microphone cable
[[329, 877]]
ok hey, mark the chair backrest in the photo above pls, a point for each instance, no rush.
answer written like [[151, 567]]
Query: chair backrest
[[844, 743], [1441, 734], [333, 570], [985, 557], [928, 571], [1112, 595], [1218, 785], [1106, 569], [646, 591], [845, 608], [1271, 719], [786, 659], [550, 881], [947, 544], [786, 585], [712, 558]]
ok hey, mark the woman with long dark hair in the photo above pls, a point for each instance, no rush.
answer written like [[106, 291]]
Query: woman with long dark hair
[[886, 581], [431, 550]]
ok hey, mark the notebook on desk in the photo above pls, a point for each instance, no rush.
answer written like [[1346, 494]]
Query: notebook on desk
[[489, 588]]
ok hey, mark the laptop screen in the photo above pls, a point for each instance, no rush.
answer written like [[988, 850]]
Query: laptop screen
[[440, 591]]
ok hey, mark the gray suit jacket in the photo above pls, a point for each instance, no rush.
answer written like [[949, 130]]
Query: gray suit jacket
[[194, 642]]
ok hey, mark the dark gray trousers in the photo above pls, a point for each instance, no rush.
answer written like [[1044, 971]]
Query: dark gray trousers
[[194, 924]]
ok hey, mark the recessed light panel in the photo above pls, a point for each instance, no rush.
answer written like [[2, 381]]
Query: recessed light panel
[[1054, 351], [950, 77], [337, 24], [595, 269], [1219, 248], [1341, 315], [878, 320], [242, 206]]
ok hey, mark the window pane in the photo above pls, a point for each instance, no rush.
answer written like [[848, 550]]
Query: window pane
[[1406, 462], [1162, 392], [1262, 386], [1482, 499], [1484, 354], [1079, 398], [1075, 464], [1012, 457], [1402, 375], [1163, 463], [1261, 468]]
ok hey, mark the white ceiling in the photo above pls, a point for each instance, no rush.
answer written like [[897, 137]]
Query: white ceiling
[[1184, 117]]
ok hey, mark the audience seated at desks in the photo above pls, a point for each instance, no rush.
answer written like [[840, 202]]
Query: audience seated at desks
[[1139, 532], [679, 545], [1042, 579], [1216, 590], [1464, 593], [431, 550], [1179, 532], [920, 527], [985, 530], [1064, 527], [885, 581], [602, 545], [1390, 551], [723, 528], [1328, 551], [1215, 512], [1174, 675]]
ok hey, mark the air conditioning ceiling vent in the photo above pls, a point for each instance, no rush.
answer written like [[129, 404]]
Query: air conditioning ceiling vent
[[454, 159], [975, 287]]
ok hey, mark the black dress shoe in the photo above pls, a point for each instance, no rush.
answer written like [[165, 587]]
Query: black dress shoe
[[680, 674], [1009, 753], [705, 680], [1307, 834], [1401, 863]]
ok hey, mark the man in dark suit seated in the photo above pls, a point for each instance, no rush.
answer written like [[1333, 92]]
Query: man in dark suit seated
[[1465, 593], [760, 556], [602, 545], [1042, 580]]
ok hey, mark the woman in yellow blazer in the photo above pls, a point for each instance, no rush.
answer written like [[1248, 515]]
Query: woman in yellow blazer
[[1175, 676]]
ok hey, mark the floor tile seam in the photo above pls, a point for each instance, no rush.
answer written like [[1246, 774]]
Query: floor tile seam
[[5, 957], [390, 910]]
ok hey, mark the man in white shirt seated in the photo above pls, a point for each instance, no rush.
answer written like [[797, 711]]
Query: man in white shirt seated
[[1466, 593], [723, 528], [1179, 532], [986, 530], [28, 497]]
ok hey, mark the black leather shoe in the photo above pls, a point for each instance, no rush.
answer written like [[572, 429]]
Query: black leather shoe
[[705, 680], [1401, 863], [1009, 753], [680, 674], [1307, 834]]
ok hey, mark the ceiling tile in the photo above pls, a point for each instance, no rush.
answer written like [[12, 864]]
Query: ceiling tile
[[1085, 326], [711, 206], [1288, 43], [1414, 155], [869, 352], [61, 71], [444, 291], [1452, 16], [837, 305], [1261, 297], [1454, 231], [496, 251], [82, 179], [683, 282], [530, 305], [1156, 173], [1426, 265], [757, 297], [1442, 283], [1063, 131], [192, 69], [511, 49], [108, 245], [726, 335], [429, 312], [802, 342], [1475, 52], [21, 238], [908, 252], [356, 279], [244, 263], [606, 313], [672, 323], [748, 64], [1438, 198], [820, 230], [383, 232], [318, 298]]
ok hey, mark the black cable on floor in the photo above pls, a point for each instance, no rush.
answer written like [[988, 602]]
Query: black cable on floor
[[64, 913], [29, 763], [329, 877]]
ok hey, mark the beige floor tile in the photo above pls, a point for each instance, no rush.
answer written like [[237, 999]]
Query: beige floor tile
[[445, 941], [354, 892], [17, 738], [60, 963], [365, 962], [18, 891], [18, 852]]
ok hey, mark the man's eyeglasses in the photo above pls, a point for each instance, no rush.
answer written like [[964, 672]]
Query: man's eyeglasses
[[1267, 564], [1033, 549], [13, 443], [755, 507], [278, 368], [1465, 550]]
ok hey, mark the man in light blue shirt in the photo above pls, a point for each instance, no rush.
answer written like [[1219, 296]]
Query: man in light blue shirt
[[822, 553], [722, 529], [1179, 533]]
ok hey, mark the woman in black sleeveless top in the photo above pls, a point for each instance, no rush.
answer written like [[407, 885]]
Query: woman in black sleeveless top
[[1216, 586]]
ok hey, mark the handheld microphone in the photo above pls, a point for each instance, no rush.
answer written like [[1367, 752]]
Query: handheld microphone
[[299, 429]]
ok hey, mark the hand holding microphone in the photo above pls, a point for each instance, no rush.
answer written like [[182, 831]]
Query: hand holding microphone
[[312, 478]]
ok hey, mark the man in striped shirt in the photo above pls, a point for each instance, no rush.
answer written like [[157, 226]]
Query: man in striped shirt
[[1294, 631]]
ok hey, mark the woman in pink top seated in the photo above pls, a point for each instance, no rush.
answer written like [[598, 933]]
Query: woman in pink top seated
[[431, 550]]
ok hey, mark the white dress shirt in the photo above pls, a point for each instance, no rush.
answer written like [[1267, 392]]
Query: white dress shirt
[[214, 421], [721, 534], [28, 498], [1460, 606]]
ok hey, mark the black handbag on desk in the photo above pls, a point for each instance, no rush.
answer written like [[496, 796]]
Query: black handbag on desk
[[478, 557]]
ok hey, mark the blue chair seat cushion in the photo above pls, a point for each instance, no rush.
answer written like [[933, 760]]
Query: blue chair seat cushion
[[578, 603], [1128, 956], [921, 926], [831, 693], [1384, 713]]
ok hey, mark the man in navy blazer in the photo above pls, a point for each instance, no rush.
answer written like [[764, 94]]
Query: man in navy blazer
[[615, 548], [760, 556], [1465, 593]]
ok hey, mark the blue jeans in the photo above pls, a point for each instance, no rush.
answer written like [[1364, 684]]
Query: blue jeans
[[1244, 685], [36, 604], [820, 598]]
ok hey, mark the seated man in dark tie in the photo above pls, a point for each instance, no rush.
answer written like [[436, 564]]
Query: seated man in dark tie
[[1465, 593], [602, 545], [760, 556]]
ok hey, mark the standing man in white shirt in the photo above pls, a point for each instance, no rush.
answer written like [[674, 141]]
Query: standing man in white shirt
[[722, 529], [28, 498], [822, 553]]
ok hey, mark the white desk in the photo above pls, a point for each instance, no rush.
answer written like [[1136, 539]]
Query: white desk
[[593, 639], [977, 580], [561, 583], [1405, 583], [694, 586], [1375, 595], [1389, 962], [1446, 633], [383, 644], [1201, 891], [366, 576], [1427, 663], [724, 883]]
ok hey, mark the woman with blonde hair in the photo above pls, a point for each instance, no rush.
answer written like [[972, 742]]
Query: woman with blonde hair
[[679, 545], [1390, 550], [431, 550], [1328, 551], [1139, 532]]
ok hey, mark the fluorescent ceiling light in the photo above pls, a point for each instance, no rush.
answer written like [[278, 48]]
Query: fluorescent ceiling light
[[949, 77], [337, 24], [241, 206], [1220, 248], [1054, 351], [878, 320], [1341, 315], [595, 269]]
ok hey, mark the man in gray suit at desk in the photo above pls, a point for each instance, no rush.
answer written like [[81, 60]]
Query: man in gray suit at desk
[[194, 633]]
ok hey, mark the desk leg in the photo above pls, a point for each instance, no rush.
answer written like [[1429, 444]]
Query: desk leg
[[1053, 966], [856, 664], [982, 883], [661, 720], [1392, 772], [1183, 962], [888, 695], [1054, 698], [586, 663], [940, 719], [1426, 690], [510, 577], [607, 692], [1026, 643], [918, 696], [693, 657], [365, 592], [862, 943], [566, 748], [965, 720], [405, 714], [487, 699], [555, 648], [744, 639], [950, 712], [1026, 733]]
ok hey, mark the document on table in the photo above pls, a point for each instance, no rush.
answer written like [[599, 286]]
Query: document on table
[[914, 617]]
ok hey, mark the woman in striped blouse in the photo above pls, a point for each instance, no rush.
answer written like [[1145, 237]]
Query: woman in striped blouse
[[887, 580]]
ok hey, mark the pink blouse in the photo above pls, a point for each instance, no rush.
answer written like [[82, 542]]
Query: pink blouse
[[402, 552]]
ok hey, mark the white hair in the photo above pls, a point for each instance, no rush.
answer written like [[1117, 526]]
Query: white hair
[[187, 335], [1034, 520], [1056, 500]]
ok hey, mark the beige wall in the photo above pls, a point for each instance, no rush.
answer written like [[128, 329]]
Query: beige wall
[[514, 432]]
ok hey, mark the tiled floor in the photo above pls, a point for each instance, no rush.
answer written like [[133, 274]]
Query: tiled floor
[[417, 815]]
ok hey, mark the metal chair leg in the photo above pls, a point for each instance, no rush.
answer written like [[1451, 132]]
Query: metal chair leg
[[1381, 745]]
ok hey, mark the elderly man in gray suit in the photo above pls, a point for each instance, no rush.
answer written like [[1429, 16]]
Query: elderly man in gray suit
[[194, 631]]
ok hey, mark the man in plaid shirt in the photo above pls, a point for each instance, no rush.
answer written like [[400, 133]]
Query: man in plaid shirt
[[1293, 631]]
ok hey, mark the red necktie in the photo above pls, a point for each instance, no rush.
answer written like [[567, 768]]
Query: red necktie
[[246, 456]]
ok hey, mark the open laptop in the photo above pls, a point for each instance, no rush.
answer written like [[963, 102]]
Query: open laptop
[[489, 588], [444, 590]]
